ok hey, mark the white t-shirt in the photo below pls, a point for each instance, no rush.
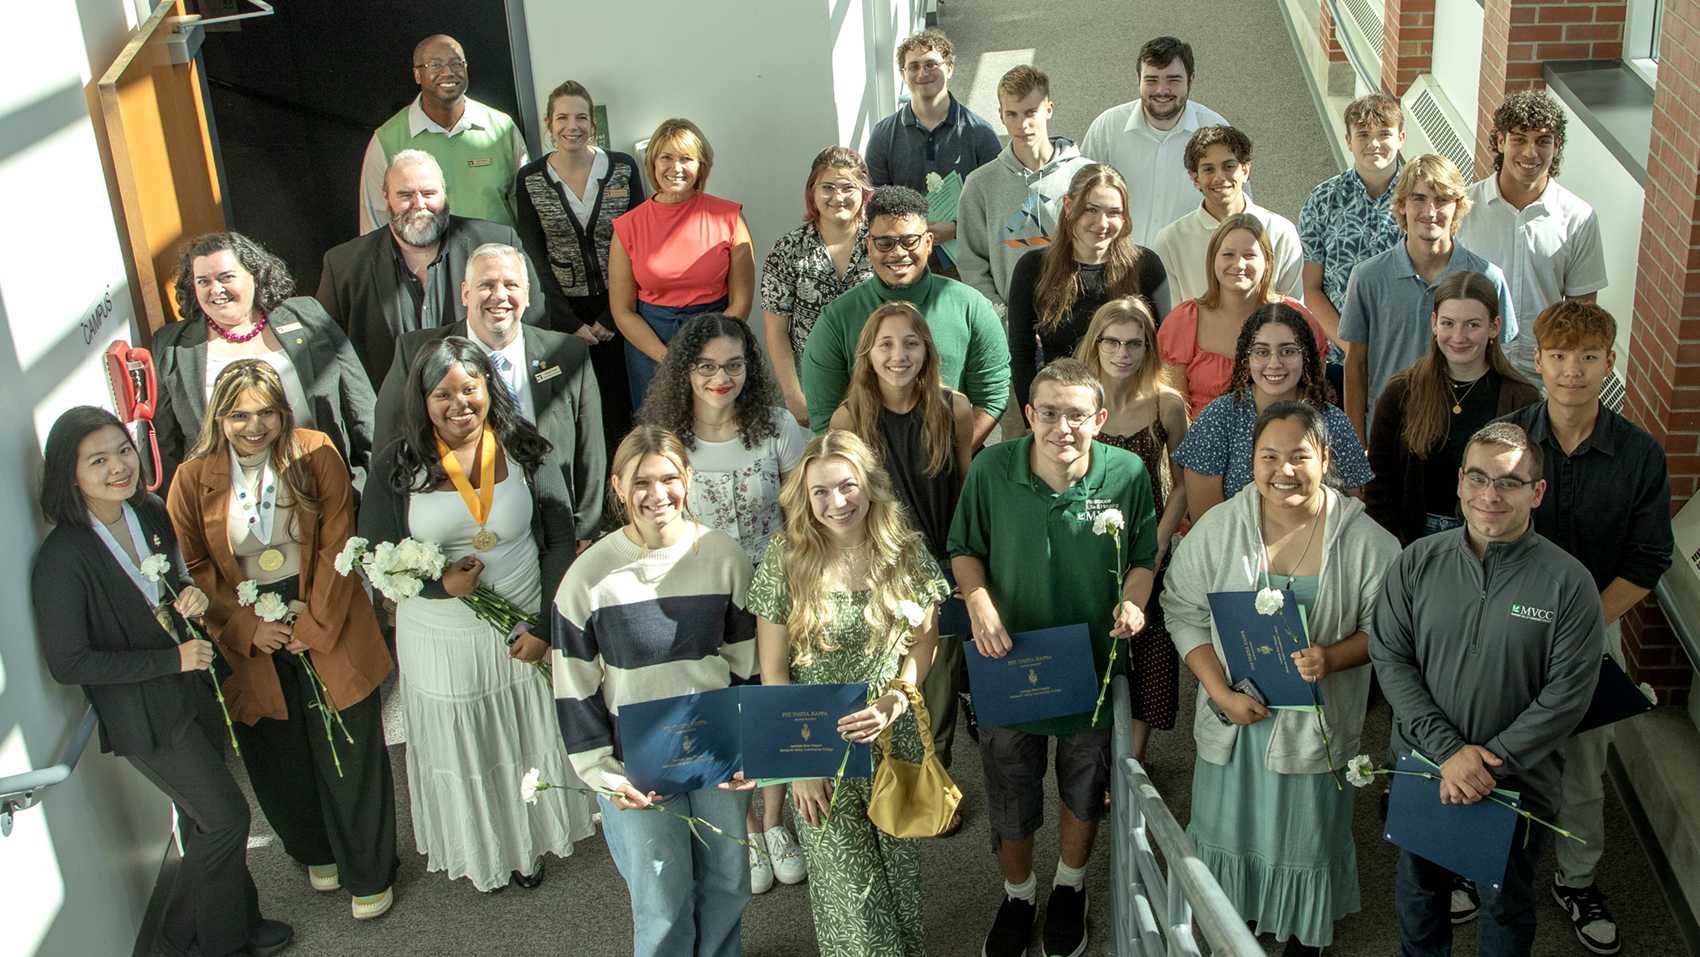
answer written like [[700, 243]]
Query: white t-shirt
[[1184, 245], [736, 490]]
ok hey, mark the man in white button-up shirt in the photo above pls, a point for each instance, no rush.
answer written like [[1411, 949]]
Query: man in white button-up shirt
[[1146, 139], [1542, 236]]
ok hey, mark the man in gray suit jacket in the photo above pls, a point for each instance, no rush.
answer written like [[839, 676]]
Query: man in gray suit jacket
[[405, 276], [547, 372]]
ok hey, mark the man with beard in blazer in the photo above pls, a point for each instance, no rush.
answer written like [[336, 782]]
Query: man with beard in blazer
[[547, 372], [401, 277]]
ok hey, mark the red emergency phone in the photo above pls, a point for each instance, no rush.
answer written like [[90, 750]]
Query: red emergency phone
[[135, 393]]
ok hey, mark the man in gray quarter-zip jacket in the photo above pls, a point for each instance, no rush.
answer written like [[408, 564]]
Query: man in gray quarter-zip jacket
[[1489, 687]]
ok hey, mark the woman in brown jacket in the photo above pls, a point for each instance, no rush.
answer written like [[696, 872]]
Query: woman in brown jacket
[[265, 503], [1429, 410]]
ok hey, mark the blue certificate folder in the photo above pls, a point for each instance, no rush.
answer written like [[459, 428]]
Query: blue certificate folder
[[791, 731], [1470, 840], [1260, 647], [1615, 698], [1048, 674], [694, 741]]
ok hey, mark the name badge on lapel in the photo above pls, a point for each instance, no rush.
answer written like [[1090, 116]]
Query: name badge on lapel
[[547, 374], [287, 327], [480, 161], [618, 193]]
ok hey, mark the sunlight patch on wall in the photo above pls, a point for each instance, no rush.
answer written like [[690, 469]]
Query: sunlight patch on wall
[[31, 887]]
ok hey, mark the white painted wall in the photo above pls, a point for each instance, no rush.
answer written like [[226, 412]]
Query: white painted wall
[[1594, 174], [866, 85], [99, 837], [1457, 63]]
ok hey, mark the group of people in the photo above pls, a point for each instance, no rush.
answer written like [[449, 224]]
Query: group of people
[[1342, 408]]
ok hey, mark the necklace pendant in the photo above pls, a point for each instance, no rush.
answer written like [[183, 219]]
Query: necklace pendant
[[271, 560], [484, 540], [1457, 410]]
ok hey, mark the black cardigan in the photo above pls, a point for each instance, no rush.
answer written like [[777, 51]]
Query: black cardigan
[[97, 631], [580, 256], [383, 518]]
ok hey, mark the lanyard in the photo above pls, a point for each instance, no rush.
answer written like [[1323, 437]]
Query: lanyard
[[149, 589]]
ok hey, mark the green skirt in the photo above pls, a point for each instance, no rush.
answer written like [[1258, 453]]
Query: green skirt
[[1279, 844]]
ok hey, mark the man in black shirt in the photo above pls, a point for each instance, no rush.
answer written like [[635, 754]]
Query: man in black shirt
[[1608, 504]]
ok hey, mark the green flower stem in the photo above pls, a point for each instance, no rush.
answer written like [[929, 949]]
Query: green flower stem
[[327, 711], [1491, 797], [1117, 575], [503, 615], [194, 632], [692, 822]]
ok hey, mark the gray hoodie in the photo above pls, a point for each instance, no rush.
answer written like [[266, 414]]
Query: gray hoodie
[[1224, 552], [1007, 209]]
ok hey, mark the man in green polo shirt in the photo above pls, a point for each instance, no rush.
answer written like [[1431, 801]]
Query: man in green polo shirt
[[1026, 557], [973, 352]]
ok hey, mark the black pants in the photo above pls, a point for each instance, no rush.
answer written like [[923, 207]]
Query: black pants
[[608, 359], [213, 900], [320, 816], [938, 689]]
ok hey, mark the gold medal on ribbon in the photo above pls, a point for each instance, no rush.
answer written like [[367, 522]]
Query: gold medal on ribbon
[[271, 559], [163, 615], [478, 504]]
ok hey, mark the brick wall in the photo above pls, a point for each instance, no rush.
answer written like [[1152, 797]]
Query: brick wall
[[1517, 35], [1664, 346], [1408, 51], [1331, 37]]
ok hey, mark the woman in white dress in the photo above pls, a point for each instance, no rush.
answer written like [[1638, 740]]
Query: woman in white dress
[[467, 475]]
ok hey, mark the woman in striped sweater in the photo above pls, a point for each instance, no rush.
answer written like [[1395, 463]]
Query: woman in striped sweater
[[656, 610]]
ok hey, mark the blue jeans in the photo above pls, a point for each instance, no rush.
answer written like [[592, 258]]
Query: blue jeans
[[687, 899], [1435, 524], [1506, 927], [664, 321]]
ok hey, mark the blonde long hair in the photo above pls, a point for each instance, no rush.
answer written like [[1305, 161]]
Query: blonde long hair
[[1151, 379], [286, 456], [863, 401], [895, 563]]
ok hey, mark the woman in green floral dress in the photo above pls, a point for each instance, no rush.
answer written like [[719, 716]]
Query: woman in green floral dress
[[849, 593]]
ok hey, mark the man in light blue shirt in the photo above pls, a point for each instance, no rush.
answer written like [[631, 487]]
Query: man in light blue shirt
[[1390, 298]]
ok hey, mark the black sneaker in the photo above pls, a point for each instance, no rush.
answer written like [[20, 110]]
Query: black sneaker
[[268, 938], [1065, 922], [1466, 902], [1587, 907], [1012, 930], [1295, 949]]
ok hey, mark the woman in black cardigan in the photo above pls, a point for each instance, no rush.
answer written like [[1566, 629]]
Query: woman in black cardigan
[[103, 625], [468, 475]]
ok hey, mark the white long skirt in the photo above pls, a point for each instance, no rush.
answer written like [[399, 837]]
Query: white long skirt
[[476, 722]]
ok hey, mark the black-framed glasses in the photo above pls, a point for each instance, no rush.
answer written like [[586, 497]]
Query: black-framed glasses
[[1115, 346], [1050, 416], [1505, 483], [437, 66], [909, 241], [708, 368]]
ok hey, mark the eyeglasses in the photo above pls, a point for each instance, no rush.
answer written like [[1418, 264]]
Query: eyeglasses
[[1050, 416], [708, 368], [848, 189], [908, 241], [438, 66], [1505, 483], [1117, 346], [1285, 353], [923, 66]]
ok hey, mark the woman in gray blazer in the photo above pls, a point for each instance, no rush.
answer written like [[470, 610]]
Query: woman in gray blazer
[[235, 300]]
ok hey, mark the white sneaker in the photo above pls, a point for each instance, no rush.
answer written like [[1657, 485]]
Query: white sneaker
[[761, 866], [789, 865], [323, 877]]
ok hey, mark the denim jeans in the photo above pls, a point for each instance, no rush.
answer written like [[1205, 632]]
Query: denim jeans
[[687, 899], [1435, 524], [664, 321], [1506, 927]]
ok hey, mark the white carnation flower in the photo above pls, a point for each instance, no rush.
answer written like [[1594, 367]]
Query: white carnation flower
[[1269, 601], [912, 613], [528, 786], [247, 592], [410, 553], [934, 182], [434, 559], [154, 567], [350, 553], [271, 607], [1652, 695], [1108, 519], [1359, 771], [385, 557], [404, 587]]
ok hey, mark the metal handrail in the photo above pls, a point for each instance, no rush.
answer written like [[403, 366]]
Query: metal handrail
[[20, 791], [1348, 43], [1153, 914]]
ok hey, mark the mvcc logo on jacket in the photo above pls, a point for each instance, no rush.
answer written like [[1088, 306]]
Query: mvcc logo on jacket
[[1531, 613]]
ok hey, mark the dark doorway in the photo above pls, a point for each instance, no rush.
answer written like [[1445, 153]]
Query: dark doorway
[[296, 96]]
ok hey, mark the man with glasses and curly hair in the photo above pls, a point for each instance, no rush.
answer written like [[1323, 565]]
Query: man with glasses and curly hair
[[479, 147], [1542, 236], [973, 352]]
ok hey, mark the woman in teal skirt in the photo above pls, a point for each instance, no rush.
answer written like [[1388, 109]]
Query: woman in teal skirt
[[1271, 815], [848, 592]]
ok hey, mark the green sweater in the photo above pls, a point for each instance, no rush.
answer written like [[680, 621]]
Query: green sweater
[[478, 163], [973, 352]]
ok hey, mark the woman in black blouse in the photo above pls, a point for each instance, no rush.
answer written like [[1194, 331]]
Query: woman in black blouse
[[1055, 289], [566, 203], [106, 626]]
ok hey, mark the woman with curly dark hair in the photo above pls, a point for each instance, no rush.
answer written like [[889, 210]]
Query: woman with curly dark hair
[[237, 302], [468, 474], [1275, 360], [714, 391]]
